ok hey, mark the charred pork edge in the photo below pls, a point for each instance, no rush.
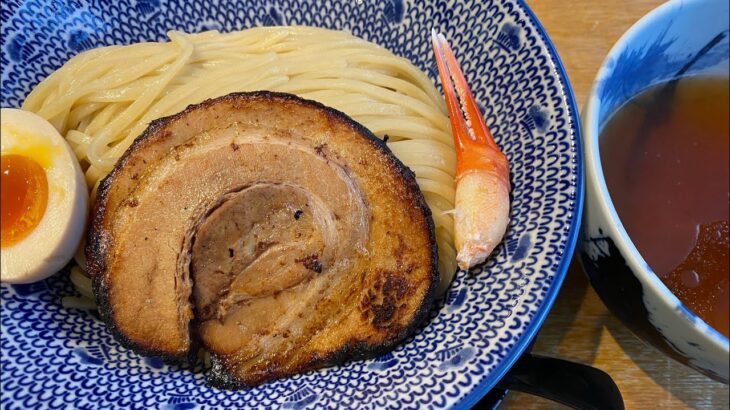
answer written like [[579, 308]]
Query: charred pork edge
[[98, 241]]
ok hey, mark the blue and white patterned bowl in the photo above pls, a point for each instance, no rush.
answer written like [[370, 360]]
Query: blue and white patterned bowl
[[59, 358], [651, 52]]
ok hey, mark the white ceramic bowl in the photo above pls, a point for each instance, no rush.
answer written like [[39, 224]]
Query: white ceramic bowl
[[651, 52]]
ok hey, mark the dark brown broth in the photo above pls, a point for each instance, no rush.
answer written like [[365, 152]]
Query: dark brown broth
[[665, 157]]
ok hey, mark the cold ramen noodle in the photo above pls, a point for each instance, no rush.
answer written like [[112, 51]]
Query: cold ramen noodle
[[280, 230]]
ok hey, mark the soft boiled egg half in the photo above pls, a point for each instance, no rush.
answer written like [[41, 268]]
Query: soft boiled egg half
[[44, 198]]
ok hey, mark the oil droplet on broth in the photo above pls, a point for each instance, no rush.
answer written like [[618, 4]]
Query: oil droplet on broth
[[690, 278]]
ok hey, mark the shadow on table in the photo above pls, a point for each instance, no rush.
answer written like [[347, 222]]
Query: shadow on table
[[672, 376]]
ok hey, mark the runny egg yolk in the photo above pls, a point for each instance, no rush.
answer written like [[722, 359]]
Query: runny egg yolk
[[24, 197]]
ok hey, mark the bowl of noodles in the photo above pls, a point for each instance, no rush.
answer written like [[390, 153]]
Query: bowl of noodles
[[100, 72]]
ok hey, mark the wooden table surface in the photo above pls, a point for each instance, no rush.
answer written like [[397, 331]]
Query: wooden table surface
[[579, 327]]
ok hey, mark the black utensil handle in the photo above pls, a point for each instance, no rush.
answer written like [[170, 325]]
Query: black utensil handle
[[572, 384]]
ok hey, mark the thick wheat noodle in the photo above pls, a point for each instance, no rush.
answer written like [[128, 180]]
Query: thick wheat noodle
[[418, 107], [102, 118], [81, 281], [77, 114], [371, 77], [104, 98], [439, 202], [180, 97], [363, 107], [111, 131], [55, 106], [124, 93], [268, 83], [401, 66], [414, 152], [391, 125], [427, 185], [433, 174], [440, 219]]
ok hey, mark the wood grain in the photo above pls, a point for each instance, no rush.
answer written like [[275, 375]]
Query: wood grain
[[579, 327]]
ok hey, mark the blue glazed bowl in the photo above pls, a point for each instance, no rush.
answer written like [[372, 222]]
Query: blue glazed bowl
[[54, 357], [652, 51]]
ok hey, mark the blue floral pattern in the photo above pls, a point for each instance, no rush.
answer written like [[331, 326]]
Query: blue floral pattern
[[54, 357], [657, 58]]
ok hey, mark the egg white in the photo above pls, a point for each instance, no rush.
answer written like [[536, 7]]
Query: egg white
[[53, 242]]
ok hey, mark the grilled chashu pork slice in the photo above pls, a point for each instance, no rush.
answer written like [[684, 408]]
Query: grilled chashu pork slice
[[276, 232]]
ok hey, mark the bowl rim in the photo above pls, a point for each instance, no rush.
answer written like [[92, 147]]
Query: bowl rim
[[595, 177], [498, 373]]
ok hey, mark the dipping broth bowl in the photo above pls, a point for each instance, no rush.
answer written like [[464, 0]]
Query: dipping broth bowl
[[653, 51]]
